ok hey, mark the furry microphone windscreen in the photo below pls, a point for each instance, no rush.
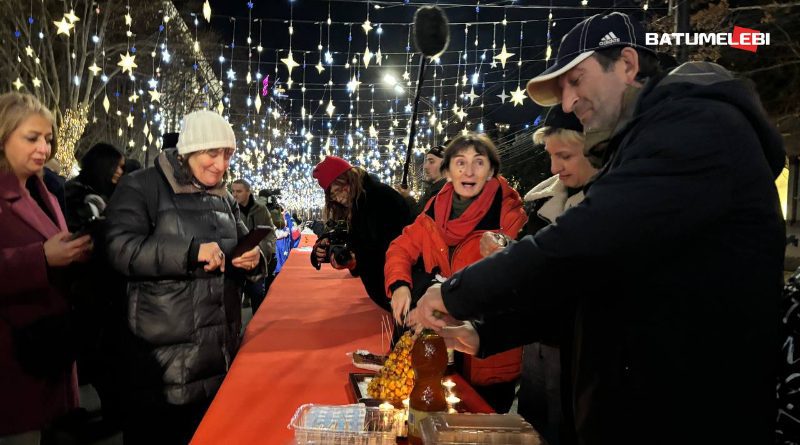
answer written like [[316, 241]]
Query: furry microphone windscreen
[[431, 34]]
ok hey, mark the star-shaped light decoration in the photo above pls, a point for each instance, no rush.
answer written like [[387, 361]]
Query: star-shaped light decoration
[[503, 96], [128, 19], [95, 69], [106, 103], [366, 26], [258, 103], [406, 75], [207, 11], [503, 56], [330, 108], [290, 63], [367, 57], [378, 57], [133, 97], [440, 127], [29, 51], [455, 108], [36, 82], [155, 96], [72, 17], [130, 120], [472, 96], [127, 62], [353, 84], [64, 27], [289, 84], [17, 83], [493, 64], [518, 96], [461, 114], [395, 122], [319, 67], [373, 133], [220, 108]]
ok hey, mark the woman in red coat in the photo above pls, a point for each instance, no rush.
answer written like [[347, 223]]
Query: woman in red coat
[[445, 237], [37, 381]]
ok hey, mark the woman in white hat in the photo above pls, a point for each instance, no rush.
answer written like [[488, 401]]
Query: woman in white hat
[[171, 230]]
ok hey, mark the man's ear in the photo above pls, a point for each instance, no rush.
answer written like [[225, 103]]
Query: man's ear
[[630, 60]]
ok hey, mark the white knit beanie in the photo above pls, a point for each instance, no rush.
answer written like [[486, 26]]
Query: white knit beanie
[[204, 130]]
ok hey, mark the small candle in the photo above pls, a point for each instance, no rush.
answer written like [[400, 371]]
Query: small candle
[[449, 384], [452, 400]]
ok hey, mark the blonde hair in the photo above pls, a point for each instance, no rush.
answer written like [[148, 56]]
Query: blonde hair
[[354, 177], [571, 137], [15, 108]]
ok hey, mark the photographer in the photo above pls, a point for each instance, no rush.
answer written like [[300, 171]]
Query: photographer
[[375, 214]]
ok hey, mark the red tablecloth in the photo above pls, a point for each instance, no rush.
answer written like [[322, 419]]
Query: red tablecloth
[[294, 352]]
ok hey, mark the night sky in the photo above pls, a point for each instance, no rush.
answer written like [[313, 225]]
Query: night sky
[[270, 19]]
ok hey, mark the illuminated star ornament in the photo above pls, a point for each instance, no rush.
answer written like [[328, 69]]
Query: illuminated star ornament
[[472, 96], [367, 26], [64, 27], [155, 96], [503, 56], [330, 108], [17, 83], [95, 69], [367, 57], [36, 82], [29, 51], [72, 17], [290, 63], [503, 97], [130, 120], [127, 62], [207, 11], [319, 67], [517, 96]]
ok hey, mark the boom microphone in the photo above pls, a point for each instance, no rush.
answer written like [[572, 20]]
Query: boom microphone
[[431, 33], [431, 36]]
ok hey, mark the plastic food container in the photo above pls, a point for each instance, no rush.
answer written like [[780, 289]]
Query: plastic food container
[[478, 429], [355, 424]]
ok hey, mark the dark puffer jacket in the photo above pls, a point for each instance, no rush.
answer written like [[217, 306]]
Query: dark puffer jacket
[[182, 323]]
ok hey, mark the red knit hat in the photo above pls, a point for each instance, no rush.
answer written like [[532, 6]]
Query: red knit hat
[[329, 169]]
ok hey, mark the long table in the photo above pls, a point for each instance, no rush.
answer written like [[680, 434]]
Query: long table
[[294, 352]]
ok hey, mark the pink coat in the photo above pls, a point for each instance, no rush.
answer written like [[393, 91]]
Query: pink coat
[[28, 403]]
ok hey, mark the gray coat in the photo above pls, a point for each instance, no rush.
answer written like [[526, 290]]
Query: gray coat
[[183, 323]]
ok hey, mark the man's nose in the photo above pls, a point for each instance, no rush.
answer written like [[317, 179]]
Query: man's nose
[[568, 99]]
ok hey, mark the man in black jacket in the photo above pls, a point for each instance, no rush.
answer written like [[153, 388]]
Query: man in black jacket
[[680, 239]]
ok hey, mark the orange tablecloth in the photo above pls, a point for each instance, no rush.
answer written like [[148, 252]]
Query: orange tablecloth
[[294, 353]]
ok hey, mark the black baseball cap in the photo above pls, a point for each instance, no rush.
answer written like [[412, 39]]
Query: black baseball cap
[[595, 33], [438, 150], [557, 118]]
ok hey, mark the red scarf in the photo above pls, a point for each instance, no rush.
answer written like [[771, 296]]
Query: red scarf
[[455, 230]]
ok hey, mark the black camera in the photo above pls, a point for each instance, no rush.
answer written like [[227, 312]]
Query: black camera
[[90, 215], [338, 246]]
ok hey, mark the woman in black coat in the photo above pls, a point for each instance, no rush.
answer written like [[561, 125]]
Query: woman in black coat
[[375, 215], [171, 231]]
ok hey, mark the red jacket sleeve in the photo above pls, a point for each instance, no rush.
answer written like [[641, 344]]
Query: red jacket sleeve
[[402, 254]]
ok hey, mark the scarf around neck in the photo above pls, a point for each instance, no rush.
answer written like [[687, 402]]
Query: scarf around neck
[[455, 230]]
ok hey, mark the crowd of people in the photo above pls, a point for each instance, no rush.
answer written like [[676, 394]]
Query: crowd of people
[[614, 299]]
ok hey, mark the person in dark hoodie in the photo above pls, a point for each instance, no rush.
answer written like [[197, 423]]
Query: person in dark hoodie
[[680, 244], [171, 231], [375, 215]]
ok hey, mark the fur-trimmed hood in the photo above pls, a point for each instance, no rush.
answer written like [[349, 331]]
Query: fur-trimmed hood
[[557, 196]]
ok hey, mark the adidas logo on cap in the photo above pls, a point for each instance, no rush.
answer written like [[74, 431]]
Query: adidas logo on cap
[[609, 39]]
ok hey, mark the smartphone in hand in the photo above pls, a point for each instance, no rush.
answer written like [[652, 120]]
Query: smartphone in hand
[[251, 240]]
